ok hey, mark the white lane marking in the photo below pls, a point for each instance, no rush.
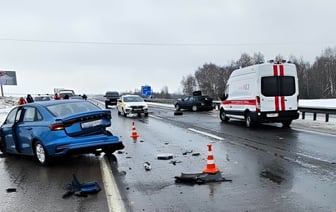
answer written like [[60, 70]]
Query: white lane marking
[[156, 117], [206, 134], [113, 197]]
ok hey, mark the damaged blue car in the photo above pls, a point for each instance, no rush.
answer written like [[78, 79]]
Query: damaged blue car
[[57, 128]]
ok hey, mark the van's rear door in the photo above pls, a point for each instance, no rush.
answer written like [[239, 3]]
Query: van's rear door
[[279, 90]]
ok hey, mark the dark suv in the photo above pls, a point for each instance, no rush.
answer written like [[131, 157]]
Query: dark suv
[[194, 103], [111, 98]]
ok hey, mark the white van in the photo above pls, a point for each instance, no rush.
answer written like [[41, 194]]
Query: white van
[[260, 93]]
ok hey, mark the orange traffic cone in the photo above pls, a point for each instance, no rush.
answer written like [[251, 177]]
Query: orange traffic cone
[[134, 135], [211, 166]]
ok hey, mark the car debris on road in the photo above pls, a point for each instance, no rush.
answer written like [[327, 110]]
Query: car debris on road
[[81, 189]]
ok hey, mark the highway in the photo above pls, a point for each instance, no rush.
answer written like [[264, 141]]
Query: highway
[[271, 168]]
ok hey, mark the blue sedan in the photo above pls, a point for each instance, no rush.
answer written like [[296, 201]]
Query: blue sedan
[[51, 129]]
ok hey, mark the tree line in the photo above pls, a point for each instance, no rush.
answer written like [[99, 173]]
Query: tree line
[[316, 80]]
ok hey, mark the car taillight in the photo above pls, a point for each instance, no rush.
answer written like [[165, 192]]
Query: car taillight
[[55, 127], [258, 104]]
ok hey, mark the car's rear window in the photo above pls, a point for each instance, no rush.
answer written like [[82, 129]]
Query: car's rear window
[[278, 86], [112, 94], [71, 108]]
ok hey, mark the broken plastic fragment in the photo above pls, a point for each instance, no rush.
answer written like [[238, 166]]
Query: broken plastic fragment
[[147, 166], [9, 190], [165, 156]]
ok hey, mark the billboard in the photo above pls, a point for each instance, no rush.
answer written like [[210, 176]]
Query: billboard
[[8, 78]]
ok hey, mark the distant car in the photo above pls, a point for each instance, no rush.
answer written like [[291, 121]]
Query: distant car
[[194, 103], [132, 104], [66, 93], [111, 98], [42, 98], [51, 129], [76, 97]]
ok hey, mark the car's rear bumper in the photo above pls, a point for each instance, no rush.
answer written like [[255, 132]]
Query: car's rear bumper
[[82, 145], [111, 102]]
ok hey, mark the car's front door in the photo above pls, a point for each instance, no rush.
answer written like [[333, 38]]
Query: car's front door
[[9, 130]]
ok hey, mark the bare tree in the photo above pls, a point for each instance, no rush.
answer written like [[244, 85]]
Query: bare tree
[[189, 84], [244, 60], [258, 58], [303, 76]]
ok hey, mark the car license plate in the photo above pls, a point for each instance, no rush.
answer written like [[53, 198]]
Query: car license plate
[[91, 123], [271, 115]]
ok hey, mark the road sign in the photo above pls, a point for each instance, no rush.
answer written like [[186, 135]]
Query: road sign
[[146, 91]]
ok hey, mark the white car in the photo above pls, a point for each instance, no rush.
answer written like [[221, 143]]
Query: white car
[[132, 104]]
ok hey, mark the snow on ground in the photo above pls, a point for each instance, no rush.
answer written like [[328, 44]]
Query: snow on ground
[[7, 103]]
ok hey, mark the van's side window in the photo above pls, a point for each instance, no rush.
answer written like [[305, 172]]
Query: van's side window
[[226, 93], [278, 86]]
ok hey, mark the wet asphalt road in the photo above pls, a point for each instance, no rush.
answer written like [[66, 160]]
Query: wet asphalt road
[[271, 168], [41, 188]]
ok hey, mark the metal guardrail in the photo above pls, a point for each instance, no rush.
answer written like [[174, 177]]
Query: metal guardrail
[[316, 111]]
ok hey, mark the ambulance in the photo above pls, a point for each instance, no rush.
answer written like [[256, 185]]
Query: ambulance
[[261, 93]]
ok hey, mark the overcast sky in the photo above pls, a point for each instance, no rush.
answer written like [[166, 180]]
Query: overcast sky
[[97, 45]]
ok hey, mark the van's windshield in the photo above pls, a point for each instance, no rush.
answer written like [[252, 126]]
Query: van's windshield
[[278, 86]]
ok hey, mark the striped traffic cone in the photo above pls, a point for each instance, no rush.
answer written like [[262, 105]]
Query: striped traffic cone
[[134, 135], [211, 166]]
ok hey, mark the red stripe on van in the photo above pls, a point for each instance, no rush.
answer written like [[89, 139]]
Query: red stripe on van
[[240, 102], [282, 71], [283, 105], [275, 70]]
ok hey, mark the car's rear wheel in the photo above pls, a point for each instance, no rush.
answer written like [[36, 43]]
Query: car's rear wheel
[[108, 150], [41, 154], [194, 108]]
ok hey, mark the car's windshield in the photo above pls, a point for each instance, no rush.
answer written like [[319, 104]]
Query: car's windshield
[[70, 108], [133, 99]]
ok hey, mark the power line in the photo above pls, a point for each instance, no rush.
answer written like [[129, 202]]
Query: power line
[[173, 44]]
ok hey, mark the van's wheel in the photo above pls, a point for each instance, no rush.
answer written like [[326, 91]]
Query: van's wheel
[[222, 116], [41, 154], [286, 124], [248, 121], [194, 108]]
